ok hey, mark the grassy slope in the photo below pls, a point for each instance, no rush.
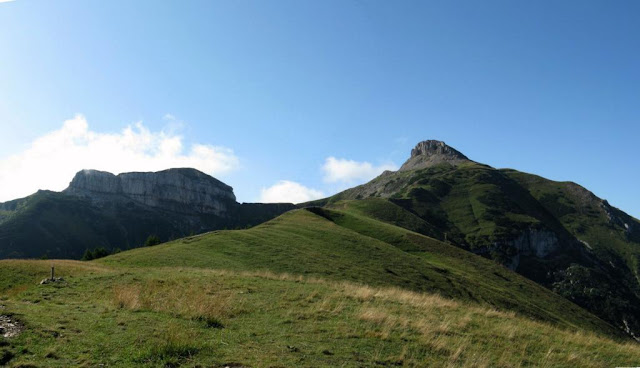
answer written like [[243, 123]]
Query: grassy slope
[[584, 215], [290, 293], [57, 225], [301, 242], [172, 316], [482, 209], [478, 205], [475, 204]]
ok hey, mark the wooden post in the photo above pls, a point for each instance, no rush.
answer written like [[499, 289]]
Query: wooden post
[[52, 273], [445, 237]]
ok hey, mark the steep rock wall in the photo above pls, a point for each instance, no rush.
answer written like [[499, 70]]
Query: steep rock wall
[[177, 190], [532, 242]]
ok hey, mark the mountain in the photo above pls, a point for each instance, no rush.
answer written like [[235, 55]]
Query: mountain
[[100, 209], [557, 234], [446, 262], [340, 244], [176, 190]]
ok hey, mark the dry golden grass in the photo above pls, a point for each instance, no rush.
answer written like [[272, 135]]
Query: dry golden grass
[[179, 298], [468, 338], [465, 335], [365, 293], [458, 333]]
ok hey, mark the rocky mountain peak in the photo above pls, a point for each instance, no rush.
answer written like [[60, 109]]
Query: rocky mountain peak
[[432, 152], [179, 190], [432, 147]]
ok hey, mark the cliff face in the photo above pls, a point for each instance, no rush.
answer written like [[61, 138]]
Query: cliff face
[[533, 242], [177, 190]]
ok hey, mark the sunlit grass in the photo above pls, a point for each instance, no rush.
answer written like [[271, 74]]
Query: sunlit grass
[[161, 317]]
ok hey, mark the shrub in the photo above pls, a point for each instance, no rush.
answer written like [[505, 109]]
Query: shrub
[[87, 256], [96, 253], [152, 240]]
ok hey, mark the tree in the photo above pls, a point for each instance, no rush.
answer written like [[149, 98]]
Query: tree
[[152, 240], [100, 252], [95, 254], [88, 255]]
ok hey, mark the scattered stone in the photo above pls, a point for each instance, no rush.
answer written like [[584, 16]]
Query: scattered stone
[[293, 349], [585, 244], [51, 280], [9, 327]]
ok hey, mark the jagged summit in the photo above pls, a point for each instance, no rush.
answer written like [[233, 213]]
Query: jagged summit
[[432, 152], [433, 147]]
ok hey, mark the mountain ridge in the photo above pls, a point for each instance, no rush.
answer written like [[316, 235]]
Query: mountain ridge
[[179, 189], [557, 234], [100, 209]]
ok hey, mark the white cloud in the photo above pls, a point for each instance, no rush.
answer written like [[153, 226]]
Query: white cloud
[[6, 1], [51, 161], [288, 191], [349, 171]]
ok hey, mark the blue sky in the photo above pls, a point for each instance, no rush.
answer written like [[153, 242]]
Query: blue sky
[[261, 92]]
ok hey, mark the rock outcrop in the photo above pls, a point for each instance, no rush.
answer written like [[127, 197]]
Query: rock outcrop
[[533, 242], [176, 190], [431, 152]]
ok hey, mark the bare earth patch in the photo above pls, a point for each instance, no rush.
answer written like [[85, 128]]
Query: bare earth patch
[[9, 327]]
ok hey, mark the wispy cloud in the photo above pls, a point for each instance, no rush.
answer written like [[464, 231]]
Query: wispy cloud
[[50, 161], [289, 191], [340, 170], [6, 1]]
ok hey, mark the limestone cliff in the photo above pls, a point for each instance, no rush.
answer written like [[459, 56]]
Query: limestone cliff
[[532, 242], [177, 190]]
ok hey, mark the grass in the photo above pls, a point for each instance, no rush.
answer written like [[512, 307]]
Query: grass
[[105, 315], [485, 210], [178, 296], [57, 225], [585, 216], [319, 287], [342, 246]]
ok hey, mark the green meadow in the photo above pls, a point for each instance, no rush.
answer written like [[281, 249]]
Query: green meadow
[[317, 288]]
